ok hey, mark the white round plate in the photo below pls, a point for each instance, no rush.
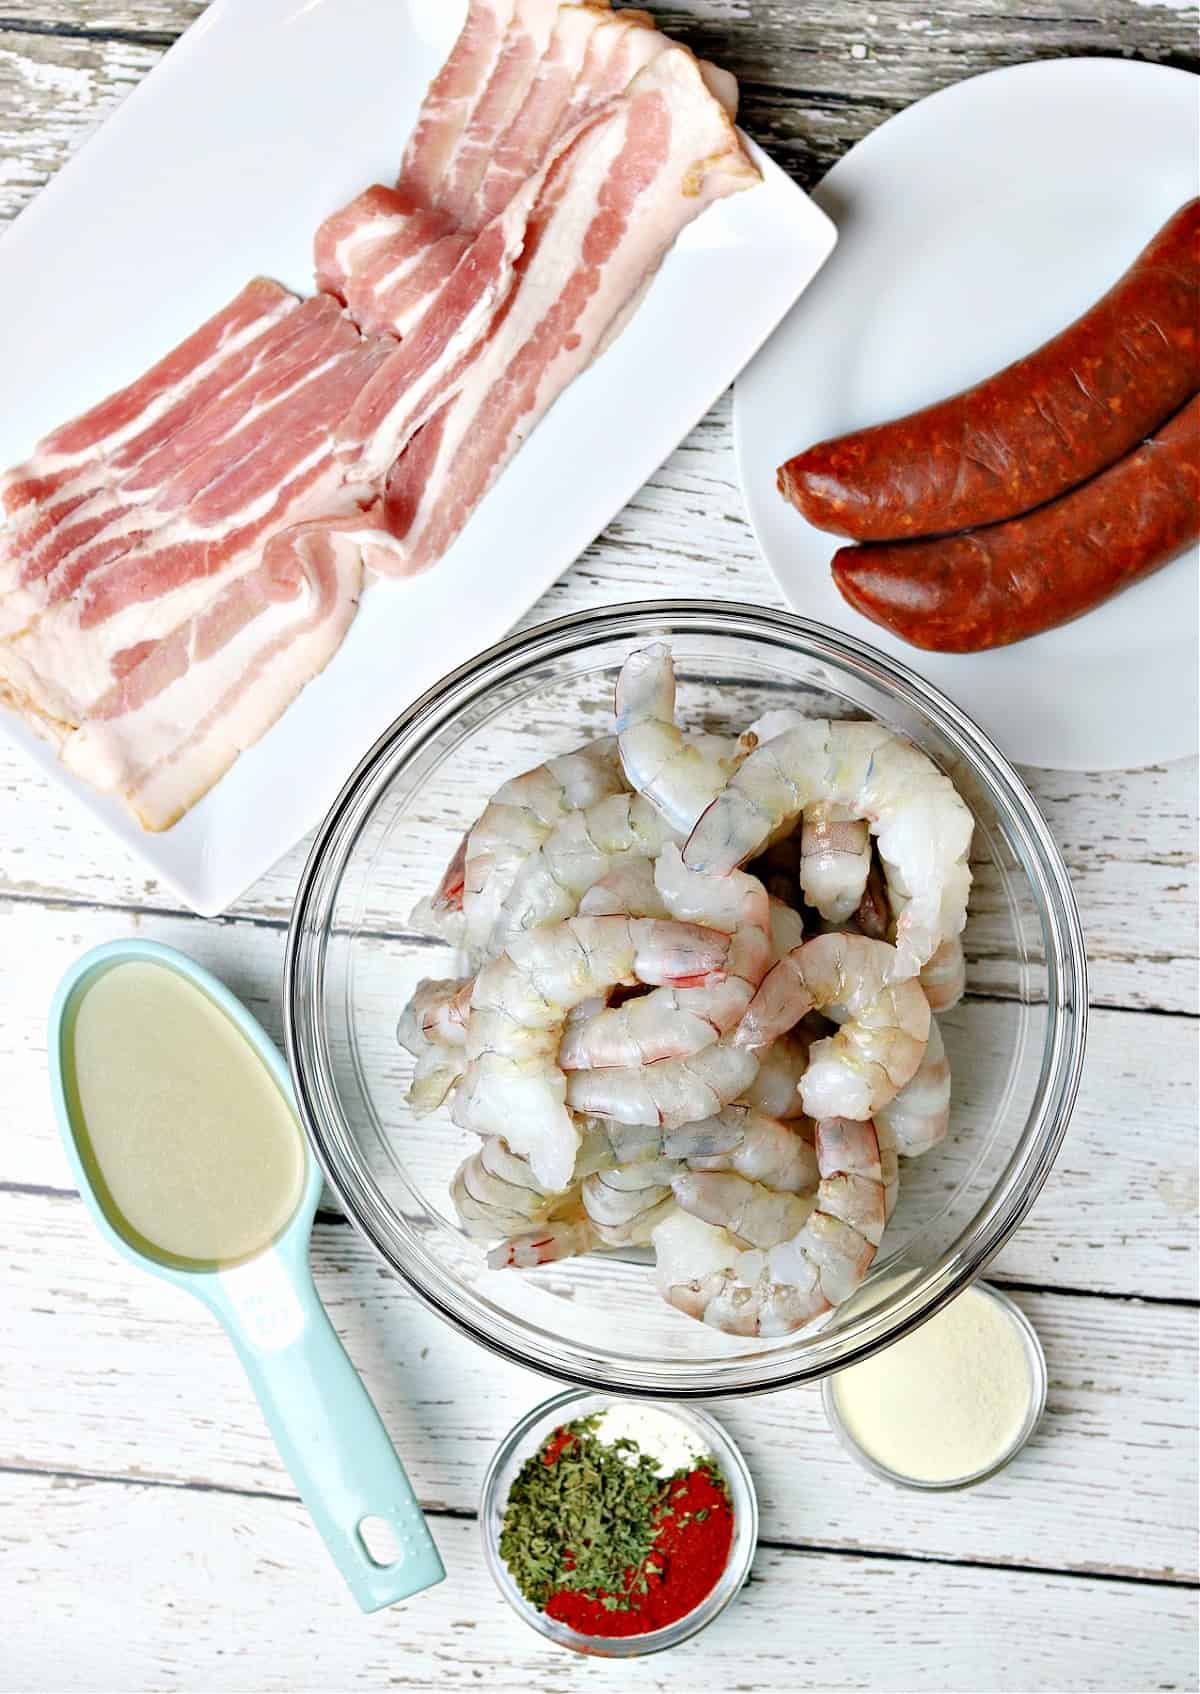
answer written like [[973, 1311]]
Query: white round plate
[[972, 227]]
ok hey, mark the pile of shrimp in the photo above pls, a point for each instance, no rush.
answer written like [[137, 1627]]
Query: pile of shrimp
[[699, 1014]]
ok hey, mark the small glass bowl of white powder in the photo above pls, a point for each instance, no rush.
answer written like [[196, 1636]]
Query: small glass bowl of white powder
[[949, 1404]]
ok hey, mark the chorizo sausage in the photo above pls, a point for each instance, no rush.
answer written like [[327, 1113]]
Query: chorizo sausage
[[992, 586], [1037, 428]]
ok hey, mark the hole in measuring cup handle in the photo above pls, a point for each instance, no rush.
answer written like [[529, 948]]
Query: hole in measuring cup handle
[[380, 1541]]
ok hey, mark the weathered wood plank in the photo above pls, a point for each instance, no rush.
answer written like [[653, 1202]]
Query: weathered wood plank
[[167, 18], [53, 93], [1118, 1213], [804, 1620], [1108, 1485]]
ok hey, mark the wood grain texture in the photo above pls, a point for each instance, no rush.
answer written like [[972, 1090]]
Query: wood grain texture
[[1107, 1486], [874, 1623]]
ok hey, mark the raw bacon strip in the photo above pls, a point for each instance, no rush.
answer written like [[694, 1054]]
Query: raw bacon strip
[[199, 695], [525, 44], [616, 202], [218, 484], [385, 260], [134, 491], [524, 145], [451, 99], [437, 358], [621, 47], [186, 499], [381, 222], [63, 469]]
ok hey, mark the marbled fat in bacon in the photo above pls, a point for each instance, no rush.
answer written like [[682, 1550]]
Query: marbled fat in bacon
[[525, 43], [521, 149], [200, 508], [435, 361], [451, 98], [614, 204], [203, 692]]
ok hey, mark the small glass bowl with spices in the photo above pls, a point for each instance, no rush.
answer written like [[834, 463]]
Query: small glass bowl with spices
[[618, 1527]]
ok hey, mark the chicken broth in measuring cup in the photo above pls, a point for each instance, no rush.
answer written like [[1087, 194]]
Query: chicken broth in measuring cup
[[194, 1150]]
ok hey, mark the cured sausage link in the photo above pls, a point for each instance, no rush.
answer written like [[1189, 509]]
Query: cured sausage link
[[1037, 428], [965, 593]]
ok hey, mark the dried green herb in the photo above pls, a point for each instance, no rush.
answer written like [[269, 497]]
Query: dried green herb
[[581, 1514]]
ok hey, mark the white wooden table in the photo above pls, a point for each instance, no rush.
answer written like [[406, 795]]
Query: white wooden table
[[149, 1537]]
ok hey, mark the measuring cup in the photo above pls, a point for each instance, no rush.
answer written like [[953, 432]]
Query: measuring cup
[[327, 1430]]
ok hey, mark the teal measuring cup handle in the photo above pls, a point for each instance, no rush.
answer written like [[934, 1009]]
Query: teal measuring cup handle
[[326, 1428]]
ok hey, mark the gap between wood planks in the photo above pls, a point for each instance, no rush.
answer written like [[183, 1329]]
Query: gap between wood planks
[[764, 1543], [85, 32], [325, 1218]]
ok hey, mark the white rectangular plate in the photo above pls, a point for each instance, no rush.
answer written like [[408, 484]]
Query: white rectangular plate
[[219, 166]]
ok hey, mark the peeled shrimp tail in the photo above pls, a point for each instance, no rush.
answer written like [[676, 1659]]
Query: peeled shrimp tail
[[527, 1249], [495, 1193], [620, 1207], [679, 777], [835, 859], [432, 1028]]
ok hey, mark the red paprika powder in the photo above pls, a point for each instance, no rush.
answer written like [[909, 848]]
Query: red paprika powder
[[691, 1549], [597, 1538]]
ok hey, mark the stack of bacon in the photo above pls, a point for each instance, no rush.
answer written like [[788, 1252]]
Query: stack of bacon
[[178, 562]]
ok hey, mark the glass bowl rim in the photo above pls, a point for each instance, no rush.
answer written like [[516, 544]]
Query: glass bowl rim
[[1063, 1047], [1035, 1411], [744, 1498]]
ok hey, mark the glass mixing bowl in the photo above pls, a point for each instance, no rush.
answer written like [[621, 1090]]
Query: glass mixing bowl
[[1015, 1042]]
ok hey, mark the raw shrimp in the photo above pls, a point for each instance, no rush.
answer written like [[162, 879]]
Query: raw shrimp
[[670, 1093], [874, 915], [786, 929], [433, 1028], [889, 1165], [944, 978], [496, 1193], [512, 1085], [679, 775], [750, 1144], [884, 1023], [578, 852], [518, 818], [672, 1023], [759, 1216], [627, 890], [620, 1207], [703, 1270], [775, 1091], [921, 825], [835, 858], [627, 1194], [918, 1118]]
